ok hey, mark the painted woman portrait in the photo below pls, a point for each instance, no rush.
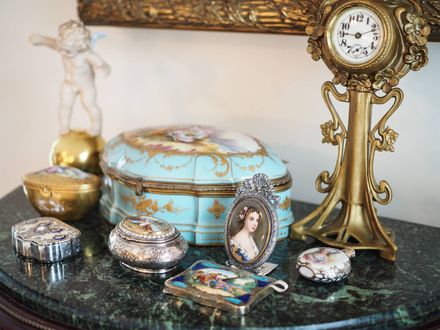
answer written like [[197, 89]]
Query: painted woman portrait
[[242, 242], [321, 255]]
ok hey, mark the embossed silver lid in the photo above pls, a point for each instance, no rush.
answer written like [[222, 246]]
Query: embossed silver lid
[[145, 229], [45, 239], [147, 244]]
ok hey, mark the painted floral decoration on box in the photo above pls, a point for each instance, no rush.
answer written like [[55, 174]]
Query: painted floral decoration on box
[[188, 176]]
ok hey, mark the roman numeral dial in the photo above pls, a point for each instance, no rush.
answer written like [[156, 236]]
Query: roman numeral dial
[[356, 35]]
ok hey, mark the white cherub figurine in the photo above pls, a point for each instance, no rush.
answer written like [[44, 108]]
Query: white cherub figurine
[[74, 43]]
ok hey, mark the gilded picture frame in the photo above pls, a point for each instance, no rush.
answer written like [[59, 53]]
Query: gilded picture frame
[[271, 16]]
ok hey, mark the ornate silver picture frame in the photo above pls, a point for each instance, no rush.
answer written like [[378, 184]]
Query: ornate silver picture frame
[[251, 226]]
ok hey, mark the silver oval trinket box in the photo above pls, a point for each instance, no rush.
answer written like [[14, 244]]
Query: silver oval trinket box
[[45, 239], [324, 264], [147, 244]]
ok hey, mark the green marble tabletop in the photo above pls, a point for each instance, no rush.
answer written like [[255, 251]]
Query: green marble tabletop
[[93, 291]]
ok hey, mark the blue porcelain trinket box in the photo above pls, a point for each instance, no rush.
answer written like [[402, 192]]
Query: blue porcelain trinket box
[[188, 176]]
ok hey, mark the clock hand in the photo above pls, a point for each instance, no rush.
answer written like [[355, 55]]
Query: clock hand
[[358, 35], [373, 30]]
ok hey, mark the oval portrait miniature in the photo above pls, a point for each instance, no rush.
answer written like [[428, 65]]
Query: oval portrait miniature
[[252, 225], [249, 233]]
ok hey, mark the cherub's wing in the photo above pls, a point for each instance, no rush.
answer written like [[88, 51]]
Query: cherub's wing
[[95, 37]]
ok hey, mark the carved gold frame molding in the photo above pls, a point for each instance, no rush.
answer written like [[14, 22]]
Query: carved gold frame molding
[[264, 16]]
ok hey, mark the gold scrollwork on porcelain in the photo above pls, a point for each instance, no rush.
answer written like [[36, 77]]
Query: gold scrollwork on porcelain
[[251, 167], [218, 162], [217, 209], [171, 168], [189, 143], [285, 205], [150, 206]]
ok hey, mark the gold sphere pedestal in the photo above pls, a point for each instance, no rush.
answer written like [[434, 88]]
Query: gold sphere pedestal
[[78, 149]]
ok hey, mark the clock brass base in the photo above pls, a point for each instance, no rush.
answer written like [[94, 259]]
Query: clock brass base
[[352, 185], [355, 226]]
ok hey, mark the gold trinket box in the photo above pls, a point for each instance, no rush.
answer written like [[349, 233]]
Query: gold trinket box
[[147, 244], [66, 193]]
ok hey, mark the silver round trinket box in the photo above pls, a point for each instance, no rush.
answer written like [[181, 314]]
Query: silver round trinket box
[[147, 244], [324, 264]]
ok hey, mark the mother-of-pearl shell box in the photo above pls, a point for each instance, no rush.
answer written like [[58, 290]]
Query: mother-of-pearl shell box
[[187, 175]]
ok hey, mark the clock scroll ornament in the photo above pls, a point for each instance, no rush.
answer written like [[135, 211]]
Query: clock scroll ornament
[[369, 46]]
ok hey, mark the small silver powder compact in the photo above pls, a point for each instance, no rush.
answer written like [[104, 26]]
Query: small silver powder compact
[[325, 264], [147, 244], [45, 239]]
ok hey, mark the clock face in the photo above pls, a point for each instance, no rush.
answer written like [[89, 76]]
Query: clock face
[[356, 35]]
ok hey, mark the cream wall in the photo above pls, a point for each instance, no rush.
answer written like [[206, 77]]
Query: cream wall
[[265, 85]]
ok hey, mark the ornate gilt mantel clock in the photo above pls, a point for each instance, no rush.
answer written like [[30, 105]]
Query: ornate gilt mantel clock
[[369, 46]]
